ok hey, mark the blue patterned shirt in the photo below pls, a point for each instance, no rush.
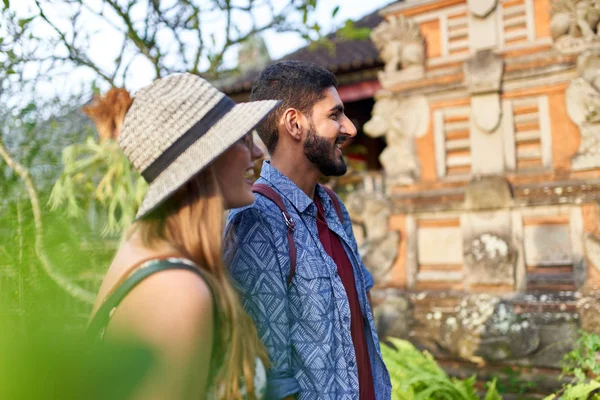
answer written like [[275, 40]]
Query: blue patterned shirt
[[306, 326]]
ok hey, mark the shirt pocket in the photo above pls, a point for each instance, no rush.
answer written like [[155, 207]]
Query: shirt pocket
[[312, 291]]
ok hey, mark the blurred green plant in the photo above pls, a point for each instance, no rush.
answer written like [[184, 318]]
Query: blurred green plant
[[415, 375], [43, 360], [512, 382], [581, 362], [98, 176]]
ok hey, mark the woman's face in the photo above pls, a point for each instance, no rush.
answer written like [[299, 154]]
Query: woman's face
[[235, 172]]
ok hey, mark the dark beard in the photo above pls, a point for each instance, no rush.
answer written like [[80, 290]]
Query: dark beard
[[320, 152]]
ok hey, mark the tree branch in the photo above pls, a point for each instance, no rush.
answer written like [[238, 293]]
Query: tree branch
[[61, 280]]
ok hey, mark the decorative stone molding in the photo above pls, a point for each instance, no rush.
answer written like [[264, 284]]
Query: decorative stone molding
[[482, 8], [592, 250], [574, 24], [483, 77], [400, 121], [583, 107], [402, 48]]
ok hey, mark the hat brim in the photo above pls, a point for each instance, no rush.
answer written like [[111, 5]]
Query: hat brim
[[240, 120]]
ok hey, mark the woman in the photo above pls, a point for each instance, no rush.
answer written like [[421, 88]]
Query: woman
[[167, 286]]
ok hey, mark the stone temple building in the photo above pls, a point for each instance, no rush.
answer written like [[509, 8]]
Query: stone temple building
[[483, 236], [478, 209]]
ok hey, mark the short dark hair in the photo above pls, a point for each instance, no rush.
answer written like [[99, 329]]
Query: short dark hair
[[299, 84]]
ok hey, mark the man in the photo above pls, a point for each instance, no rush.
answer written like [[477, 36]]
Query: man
[[315, 319]]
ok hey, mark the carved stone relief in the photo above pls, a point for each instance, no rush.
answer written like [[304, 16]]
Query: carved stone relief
[[379, 247], [482, 8], [487, 329], [400, 121], [574, 24], [490, 256], [402, 48], [483, 76], [583, 107]]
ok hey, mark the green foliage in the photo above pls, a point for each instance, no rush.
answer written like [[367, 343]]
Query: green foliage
[[579, 362], [511, 382], [584, 357], [98, 175], [416, 376], [350, 32], [41, 359]]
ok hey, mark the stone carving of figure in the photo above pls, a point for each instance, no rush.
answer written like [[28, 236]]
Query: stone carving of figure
[[402, 48], [583, 107], [400, 121], [574, 21]]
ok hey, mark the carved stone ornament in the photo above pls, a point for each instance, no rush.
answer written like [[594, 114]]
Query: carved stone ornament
[[485, 328], [401, 121], [482, 8], [486, 111], [379, 247], [483, 72], [574, 24], [402, 48], [490, 259], [583, 107]]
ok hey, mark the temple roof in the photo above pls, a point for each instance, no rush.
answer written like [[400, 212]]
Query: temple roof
[[346, 56]]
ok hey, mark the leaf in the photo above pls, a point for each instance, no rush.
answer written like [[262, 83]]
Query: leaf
[[335, 11], [25, 21], [581, 391], [492, 392], [6, 4]]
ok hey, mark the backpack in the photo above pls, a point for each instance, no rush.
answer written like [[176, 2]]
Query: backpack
[[269, 193]]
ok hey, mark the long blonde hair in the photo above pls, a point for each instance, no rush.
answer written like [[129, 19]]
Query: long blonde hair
[[191, 221]]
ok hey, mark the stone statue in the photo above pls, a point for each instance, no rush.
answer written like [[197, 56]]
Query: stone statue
[[574, 24], [583, 107], [402, 48], [379, 247], [400, 121]]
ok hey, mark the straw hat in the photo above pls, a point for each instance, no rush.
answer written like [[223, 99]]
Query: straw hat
[[177, 126]]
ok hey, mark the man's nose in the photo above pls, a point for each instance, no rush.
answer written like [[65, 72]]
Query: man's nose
[[348, 127]]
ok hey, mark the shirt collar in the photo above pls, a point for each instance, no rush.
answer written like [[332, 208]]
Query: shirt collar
[[290, 190]]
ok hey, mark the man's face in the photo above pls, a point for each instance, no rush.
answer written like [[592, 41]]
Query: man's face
[[328, 128]]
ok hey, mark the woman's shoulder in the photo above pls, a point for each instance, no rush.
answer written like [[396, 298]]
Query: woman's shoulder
[[172, 303]]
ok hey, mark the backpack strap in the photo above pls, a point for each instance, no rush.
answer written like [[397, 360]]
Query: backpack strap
[[272, 195], [335, 201]]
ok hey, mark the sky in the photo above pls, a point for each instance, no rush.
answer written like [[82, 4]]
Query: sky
[[104, 44], [280, 45]]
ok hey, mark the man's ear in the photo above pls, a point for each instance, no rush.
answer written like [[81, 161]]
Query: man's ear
[[292, 121]]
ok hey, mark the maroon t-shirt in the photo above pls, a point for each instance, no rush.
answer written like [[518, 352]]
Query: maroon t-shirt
[[333, 246]]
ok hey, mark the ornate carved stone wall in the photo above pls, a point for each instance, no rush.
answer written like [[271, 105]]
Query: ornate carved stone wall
[[492, 176]]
